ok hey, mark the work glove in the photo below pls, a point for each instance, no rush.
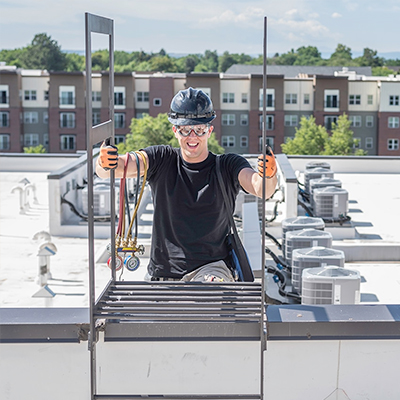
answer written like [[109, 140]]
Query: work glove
[[270, 164], [108, 158]]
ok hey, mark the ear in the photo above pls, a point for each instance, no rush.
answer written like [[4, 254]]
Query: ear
[[210, 131], [175, 131]]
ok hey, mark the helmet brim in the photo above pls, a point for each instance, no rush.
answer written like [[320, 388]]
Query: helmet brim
[[190, 121]]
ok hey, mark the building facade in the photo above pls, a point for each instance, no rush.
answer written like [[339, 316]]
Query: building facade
[[38, 107]]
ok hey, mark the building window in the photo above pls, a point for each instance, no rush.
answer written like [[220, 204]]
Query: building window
[[244, 97], [119, 120], [31, 117], [3, 97], [393, 100], [331, 101], [95, 118], [393, 122], [329, 120], [290, 98], [67, 120], [30, 95], [355, 99], [355, 121], [142, 96], [68, 142], [45, 117], [244, 141], [46, 95], [291, 120], [270, 122], [370, 99], [4, 119], [31, 139], [157, 102], [228, 141], [393, 144], [4, 142], [96, 96], [119, 98], [67, 98], [270, 99], [228, 97], [140, 115], [269, 141], [369, 121], [244, 119], [228, 119], [306, 98], [369, 142], [46, 139], [119, 139]]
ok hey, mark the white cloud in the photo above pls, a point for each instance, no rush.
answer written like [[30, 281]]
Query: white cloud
[[336, 15], [247, 16]]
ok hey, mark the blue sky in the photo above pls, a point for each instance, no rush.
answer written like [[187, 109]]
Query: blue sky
[[183, 26]]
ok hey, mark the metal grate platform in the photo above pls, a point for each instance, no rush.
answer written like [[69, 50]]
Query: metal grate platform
[[176, 310]]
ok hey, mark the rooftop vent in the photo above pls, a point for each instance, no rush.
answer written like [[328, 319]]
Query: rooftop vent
[[317, 164]]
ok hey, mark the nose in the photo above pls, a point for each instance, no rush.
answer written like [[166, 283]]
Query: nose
[[192, 132]]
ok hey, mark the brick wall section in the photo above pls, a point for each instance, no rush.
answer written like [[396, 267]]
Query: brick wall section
[[386, 133], [13, 80], [160, 88]]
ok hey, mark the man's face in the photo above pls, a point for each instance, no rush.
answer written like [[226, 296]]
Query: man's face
[[194, 147]]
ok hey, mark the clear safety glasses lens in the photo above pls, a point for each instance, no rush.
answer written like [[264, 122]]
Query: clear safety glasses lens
[[199, 130]]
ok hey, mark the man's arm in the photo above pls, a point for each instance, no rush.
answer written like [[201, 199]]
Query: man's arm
[[252, 181], [109, 159]]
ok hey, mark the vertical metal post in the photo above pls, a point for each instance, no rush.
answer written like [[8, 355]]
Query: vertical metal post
[[264, 134], [96, 134]]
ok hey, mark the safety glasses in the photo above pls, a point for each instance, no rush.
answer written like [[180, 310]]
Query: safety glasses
[[199, 130]]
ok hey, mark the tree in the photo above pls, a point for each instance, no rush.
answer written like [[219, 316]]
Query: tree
[[36, 149], [44, 53], [370, 59], [382, 71], [308, 56], [75, 62], [341, 141], [310, 138], [341, 56], [148, 131], [100, 60]]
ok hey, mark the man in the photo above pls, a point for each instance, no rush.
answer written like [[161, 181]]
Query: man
[[190, 222]]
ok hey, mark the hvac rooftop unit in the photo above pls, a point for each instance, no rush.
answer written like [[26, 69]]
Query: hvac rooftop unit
[[101, 200], [317, 164], [330, 285], [297, 224], [305, 238], [320, 183], [313, 257], [330, 202], [316, 173]]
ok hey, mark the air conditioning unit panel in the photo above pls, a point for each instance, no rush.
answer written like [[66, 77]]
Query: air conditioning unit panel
[[342, 285]]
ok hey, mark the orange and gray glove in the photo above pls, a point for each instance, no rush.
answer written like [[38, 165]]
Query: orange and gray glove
[[108, 158], [270, 164]]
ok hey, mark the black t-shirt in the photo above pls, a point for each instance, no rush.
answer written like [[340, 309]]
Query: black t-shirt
[[190, 222]]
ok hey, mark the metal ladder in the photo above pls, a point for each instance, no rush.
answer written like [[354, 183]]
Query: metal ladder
[[224, 311]]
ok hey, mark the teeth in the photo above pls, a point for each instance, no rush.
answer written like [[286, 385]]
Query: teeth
[[192, 144]]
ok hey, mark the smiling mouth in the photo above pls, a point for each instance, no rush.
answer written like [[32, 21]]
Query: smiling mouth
[[192, 145]]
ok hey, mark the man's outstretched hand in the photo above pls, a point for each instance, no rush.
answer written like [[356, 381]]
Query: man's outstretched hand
[[108, 158], [270, 164]]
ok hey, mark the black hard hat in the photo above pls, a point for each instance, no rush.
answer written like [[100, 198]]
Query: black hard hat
[[191, 107]]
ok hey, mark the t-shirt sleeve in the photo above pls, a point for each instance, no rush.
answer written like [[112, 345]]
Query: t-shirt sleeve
[[158, 158], [232, 165]]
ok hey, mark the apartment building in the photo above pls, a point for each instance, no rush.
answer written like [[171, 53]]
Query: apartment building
[[37, 107]]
